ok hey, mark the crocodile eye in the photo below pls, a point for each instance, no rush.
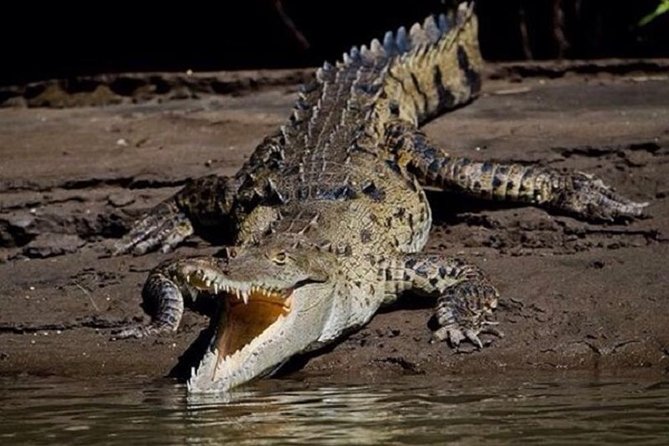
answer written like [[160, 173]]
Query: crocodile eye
[[280, 258]]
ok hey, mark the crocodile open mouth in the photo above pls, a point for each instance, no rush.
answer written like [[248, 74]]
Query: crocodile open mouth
[[249, 310], [247, 315]]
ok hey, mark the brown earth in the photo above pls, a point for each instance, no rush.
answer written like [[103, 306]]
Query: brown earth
[[575, 295]]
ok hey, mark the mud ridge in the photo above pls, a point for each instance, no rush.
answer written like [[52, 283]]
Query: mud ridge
[[107, 89], [131, 182], [553, 70]]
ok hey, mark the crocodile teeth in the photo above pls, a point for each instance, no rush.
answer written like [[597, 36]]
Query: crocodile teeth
[[215, 288], [245, 296]]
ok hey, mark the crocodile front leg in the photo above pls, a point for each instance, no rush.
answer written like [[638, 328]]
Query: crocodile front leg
[[170, 287], [582, 195], [465, 297], [203, 202]]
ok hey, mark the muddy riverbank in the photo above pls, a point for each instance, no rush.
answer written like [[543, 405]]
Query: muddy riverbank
[[575, 295]]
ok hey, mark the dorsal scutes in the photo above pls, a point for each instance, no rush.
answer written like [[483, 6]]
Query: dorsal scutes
[[437, 69], [408, 74]]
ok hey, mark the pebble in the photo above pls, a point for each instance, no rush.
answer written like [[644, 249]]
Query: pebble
[[49, 245], [120, 199]]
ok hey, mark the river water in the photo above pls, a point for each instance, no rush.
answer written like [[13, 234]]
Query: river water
[[541, 409]]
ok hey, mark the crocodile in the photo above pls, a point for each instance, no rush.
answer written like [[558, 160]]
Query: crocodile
[[328, 217]]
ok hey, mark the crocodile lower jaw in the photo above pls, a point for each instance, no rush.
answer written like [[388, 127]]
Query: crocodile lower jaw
[[244, 340]]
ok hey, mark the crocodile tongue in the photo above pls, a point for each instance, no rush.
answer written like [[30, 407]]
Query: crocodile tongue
[[245, 319]]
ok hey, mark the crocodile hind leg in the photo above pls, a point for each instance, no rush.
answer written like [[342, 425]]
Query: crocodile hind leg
[[465, 297], [203, 202], [579, 194], [170, 287]]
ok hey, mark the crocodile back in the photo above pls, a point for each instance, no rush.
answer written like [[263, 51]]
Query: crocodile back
[[409, 75], [332, 148]]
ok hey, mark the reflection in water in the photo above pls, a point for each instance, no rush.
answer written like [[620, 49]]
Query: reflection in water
[[553, 409]]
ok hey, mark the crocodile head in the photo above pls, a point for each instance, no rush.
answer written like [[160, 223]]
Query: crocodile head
[[276, 301]]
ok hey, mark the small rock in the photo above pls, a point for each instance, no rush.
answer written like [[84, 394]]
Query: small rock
[[49, 245], [120, 199], [21, 220], [597, 264], [636, 159], [9, 254], [16, 229], [16, 101]]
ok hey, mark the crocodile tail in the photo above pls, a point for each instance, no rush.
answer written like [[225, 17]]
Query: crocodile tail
[[438, 66]]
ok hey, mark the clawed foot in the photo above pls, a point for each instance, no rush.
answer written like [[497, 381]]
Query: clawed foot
[[455, 334], [590, 198], [141, 331], [163, 228], [464, 312]]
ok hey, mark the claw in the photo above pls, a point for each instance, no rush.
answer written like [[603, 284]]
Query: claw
[[493, 331], [137, 332], [141, 331], [455, 335], [473, 338], [589, 197], [464, 312], [163, 227], [441, 335]]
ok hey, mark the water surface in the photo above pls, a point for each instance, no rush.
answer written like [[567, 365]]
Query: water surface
[[551, 409]]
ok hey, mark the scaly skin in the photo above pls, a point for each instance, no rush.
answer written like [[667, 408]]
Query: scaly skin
[[328, 216]]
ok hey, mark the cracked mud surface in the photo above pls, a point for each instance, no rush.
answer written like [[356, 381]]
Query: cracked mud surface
[[575, 295]]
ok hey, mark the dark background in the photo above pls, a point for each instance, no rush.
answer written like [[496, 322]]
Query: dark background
[[60, 40]]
